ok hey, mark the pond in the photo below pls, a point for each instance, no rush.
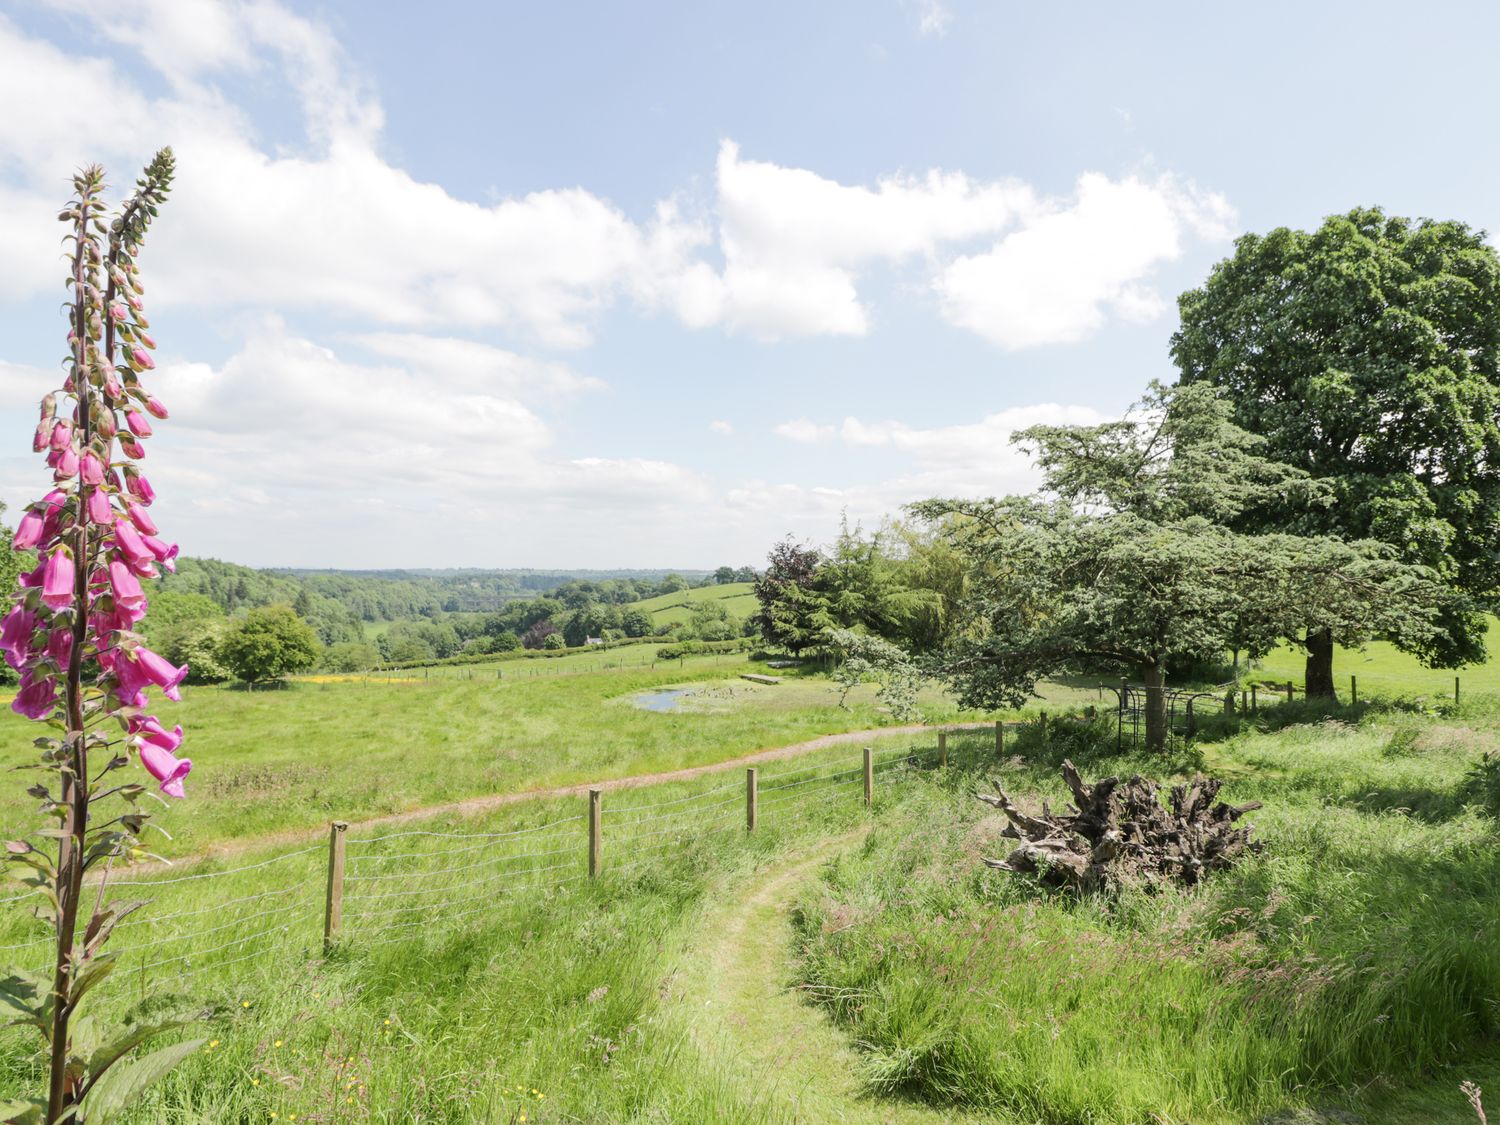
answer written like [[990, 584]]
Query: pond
[[667, 699]]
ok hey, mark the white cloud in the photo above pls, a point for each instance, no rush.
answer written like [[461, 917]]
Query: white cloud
[[794, 242], [804, 431], [966, 459], [777, 252], [447, 358], [933, 17], [719, 426], [1053, 280], [291, 452]]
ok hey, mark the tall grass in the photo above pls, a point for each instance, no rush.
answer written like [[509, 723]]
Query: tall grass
[[1362, 945], [455, 1004]]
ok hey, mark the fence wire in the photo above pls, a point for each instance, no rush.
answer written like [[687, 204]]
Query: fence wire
[[396, 883]]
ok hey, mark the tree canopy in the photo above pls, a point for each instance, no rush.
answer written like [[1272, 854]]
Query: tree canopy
[[1126, 558], [269, 643], [1366, 354]]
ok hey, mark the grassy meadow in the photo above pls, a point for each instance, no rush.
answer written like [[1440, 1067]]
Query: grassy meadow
[[1353, 965], [286, 762], [545, 994], [737, 598], [1384, 670], [1352, 968]]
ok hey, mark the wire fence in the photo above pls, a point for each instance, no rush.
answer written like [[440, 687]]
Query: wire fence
[[362, 890]]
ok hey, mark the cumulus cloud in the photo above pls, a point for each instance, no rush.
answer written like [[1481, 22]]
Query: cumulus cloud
[[293, 451], [719, 426], [1052, 280], [773, 252]]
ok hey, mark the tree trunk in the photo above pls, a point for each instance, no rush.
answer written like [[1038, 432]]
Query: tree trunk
[[1319, 673], [1156, 707]]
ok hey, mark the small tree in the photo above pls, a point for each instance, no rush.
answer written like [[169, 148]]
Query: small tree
[[793, 614], [271, 642], [865, 657], [536, 635]]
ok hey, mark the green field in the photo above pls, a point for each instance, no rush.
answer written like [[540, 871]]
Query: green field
[[1351, 967], [738, 598], [290, 760], [1383, 670]]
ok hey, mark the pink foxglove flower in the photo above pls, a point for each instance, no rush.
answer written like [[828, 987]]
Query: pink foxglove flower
[[138, 424], [91, 469], [58, 574], [124, 586], [65, 466], [29, 530], [166, 768], [139, 487], [160, 671], [142, 358], [164, 553], [99, 507], [149, 729], [131, 680], [60, 646], [155, 408], [62, 437], [15, 635], [36, 698], [134, 550], [142, 520]]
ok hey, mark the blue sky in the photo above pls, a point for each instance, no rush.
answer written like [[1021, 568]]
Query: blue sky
[[650, 285]]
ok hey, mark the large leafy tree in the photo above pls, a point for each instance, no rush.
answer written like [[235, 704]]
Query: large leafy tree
[[269, 643], [1367, 354], [1126, 558]]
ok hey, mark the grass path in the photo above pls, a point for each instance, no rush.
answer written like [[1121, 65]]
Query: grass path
[[781, 1054]]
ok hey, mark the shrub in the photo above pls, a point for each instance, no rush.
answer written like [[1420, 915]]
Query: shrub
[[198, 644], [1481, 784]]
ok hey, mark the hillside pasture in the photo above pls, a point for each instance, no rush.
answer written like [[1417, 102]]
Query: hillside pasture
[[737, 598], [284, 762], [1384, 670]]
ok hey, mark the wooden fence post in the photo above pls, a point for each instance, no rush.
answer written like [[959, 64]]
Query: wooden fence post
[[1043, 721], [999, 738], [1455, 691], [942, 749], [1254, 700], [596, 832], [333, 907], [1192, 723], [1289, 691], [752, 799], [1353, 690], [869, 775]]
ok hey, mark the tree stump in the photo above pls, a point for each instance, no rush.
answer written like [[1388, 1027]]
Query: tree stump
[[1122, 834]]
